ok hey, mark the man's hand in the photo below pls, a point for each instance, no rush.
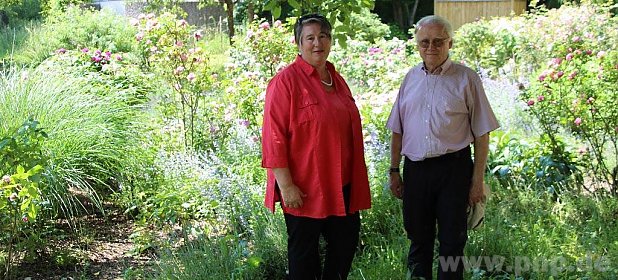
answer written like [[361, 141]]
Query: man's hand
[[477, 193], [292, 196], [396, 184]]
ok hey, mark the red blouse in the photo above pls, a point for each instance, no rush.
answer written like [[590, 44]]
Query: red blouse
[[304, 130]]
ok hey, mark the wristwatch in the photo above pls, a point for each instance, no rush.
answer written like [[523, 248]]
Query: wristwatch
[[394, 170]]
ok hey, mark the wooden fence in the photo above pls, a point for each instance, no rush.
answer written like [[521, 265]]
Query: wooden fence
[[460, 12]]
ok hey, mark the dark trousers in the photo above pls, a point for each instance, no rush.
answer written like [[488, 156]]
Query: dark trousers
[[341, 235], [436, 190]]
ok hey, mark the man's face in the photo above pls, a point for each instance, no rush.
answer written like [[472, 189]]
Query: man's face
[[433, 44]]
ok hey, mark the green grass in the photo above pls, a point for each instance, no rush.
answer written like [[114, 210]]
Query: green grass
[[90, 136]]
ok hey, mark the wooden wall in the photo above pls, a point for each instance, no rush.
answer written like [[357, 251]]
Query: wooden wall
[[459, 12]]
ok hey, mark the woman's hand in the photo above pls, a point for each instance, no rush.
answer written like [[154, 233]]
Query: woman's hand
[[292, 196], [396, 184]]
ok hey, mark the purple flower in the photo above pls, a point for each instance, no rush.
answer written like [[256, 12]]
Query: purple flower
[[569, 56], [559, 74], [61, 51], [24, 219], [540, 98], [191, 77], [265, 25], [572, 75], [556, 61], [85, 50], [577, 121], [119, 57], [530, 102], [244, 123], [590, 100], [576, 39]]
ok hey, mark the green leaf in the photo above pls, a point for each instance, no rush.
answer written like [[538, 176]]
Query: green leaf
[[277, 12], [254, 261], [294, 4], [20, 169], [32, 213], [35, 170], [270, 5]]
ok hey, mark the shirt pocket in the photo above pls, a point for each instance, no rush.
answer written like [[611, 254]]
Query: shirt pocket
[[455, 106], [306, 108]]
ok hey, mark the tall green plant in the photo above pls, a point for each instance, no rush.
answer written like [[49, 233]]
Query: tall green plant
[[169, 47]]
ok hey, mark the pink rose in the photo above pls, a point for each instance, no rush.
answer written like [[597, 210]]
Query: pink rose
[[191, 77]]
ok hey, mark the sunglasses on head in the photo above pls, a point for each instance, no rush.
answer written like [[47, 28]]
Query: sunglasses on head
[[311, 16]]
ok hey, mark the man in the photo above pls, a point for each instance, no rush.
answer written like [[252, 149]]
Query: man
[[440, 110]]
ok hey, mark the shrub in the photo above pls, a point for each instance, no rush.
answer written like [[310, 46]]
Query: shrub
[[75, 29]]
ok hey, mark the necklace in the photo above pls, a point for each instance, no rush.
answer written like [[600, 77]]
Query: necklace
[[331, 80]]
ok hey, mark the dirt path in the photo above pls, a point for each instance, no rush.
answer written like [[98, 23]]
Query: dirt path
[[100, 249]]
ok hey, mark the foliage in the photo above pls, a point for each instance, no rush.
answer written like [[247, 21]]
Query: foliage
[[576, 93], [483, 45], [169, 47], [535, 164], [20, 201], [19, 205], [19, 12], [368, 27], [567, 70], [53, 8], [339, 13], [75, 29]]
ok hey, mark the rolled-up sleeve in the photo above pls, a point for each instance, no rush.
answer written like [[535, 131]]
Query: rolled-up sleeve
[[275, 130]]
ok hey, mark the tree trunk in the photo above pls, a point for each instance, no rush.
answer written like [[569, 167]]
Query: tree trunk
[[250, 12], [229, 5]]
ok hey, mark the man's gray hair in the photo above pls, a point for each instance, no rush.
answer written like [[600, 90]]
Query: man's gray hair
[[433, 19]]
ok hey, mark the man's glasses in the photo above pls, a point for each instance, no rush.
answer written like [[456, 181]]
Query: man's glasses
[[437, 42]]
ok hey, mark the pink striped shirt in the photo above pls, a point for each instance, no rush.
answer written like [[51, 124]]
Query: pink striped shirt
[[440, 112]]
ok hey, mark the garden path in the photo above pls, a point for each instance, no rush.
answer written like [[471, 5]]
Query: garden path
[[99, 249]]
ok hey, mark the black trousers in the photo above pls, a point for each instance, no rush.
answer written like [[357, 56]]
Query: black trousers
[[436, 191], [341, 235]]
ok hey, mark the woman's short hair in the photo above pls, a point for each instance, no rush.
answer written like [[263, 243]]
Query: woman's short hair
[[433, 19], [311, 18]]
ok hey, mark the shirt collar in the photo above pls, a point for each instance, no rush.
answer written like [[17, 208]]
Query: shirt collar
[[308, 68], [440, 70]]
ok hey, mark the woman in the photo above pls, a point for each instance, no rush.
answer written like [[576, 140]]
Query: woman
[[313, 149]]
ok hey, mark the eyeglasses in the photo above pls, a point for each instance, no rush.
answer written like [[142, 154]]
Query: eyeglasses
[[437, 42]]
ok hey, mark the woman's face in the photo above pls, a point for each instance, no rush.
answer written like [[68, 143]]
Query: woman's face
[[314, 45]]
